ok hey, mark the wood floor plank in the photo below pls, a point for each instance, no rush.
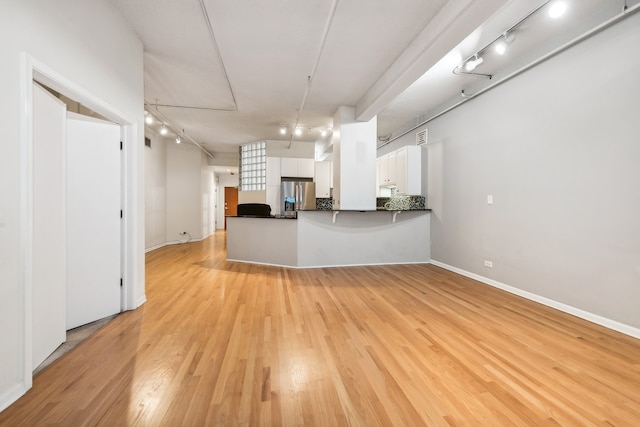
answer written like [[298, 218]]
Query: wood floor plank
[[232, 344]]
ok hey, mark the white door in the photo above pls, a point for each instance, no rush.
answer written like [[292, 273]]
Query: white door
[[49, 226], [93, 219]]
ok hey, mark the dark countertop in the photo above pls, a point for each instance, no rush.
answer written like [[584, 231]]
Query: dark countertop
[[371, 210], [258, 216], [403, 210], [327, 210]]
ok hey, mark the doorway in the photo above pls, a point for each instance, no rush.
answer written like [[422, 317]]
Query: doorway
[[126, 213], [230, 203], [76, 220]]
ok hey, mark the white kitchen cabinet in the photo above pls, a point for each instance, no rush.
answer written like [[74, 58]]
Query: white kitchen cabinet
[[273, 198], [322, 179], [387, 169], [296, 168], [288, 167], [401, 168], [401, 171], [273, 171], [383, 170], [306, 168], [409, 170]]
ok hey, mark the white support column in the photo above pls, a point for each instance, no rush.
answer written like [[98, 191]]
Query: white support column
[[354, 161]]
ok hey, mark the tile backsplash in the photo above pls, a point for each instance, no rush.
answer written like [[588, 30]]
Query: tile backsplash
[[324, 203], [400, 203]]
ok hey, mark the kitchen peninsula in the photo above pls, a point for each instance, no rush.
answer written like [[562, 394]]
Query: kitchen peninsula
[[332, 238], [358, 228]]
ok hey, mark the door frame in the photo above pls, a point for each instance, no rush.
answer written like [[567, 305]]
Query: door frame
[[34, 70]]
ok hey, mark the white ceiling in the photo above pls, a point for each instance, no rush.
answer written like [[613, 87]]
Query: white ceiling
[[230, 72]]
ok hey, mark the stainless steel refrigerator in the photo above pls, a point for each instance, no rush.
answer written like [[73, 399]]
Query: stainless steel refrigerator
[[297, 196]]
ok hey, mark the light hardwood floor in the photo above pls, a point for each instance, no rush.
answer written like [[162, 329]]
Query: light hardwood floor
[[221, 343]]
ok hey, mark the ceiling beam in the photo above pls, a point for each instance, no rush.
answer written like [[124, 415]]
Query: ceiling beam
[[455, 21]]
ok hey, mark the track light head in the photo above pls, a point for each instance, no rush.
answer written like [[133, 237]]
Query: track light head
[[473, 63], [503, 42], [163, 130]]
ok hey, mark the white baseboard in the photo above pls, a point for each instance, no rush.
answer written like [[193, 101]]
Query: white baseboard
[[141, 301], [153, 248], [175, 242], [591, 317], [11, 395], [302, 267]]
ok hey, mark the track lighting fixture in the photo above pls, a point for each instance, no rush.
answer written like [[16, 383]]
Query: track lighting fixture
[[178, 140], [473, 63], [149, 119], [556, 9], [325, 131], [300, 129], [163, 130], [503, 42]]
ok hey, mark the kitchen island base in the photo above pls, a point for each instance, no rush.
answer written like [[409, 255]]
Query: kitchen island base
[[330, 239]]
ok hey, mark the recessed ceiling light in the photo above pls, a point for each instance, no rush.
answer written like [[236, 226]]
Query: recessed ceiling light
[[557, 9]]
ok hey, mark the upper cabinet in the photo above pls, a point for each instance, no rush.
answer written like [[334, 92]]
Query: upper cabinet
[[306, 168], [401, 169], [387, 169], [297, 168], [272, 194], [323, 178], [273, 171]]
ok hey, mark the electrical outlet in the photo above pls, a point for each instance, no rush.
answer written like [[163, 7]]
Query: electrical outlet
[[488, 264]]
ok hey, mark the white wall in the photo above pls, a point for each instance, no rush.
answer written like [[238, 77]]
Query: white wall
[[91, 45], [155, 167], [558, 149], [297, 149], [207, 197], [184, 197], [179, 192]]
